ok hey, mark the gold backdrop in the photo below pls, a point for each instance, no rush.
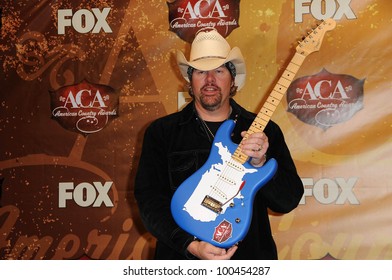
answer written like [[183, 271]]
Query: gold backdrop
[[67, 165]]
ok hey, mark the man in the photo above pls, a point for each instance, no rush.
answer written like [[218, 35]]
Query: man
[[177, 145]]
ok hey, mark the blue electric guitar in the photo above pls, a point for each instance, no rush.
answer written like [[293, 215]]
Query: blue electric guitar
[[215, 203]]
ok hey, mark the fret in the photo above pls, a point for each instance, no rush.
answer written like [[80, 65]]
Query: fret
[[284, 83], [252, 130], [265, 122], [293, 67], [288, 75], [258, 127], [298, 59], [272, 100], [270, 106], [239, 156], [263, 117], [280, 88], [276, 94], [267, 112]]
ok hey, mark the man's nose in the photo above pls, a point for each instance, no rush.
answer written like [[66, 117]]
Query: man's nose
[[210, 76]]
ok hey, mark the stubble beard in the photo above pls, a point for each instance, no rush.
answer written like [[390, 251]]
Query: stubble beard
[[211, 103]]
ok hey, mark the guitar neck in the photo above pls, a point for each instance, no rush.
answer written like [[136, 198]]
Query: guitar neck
[[272, 102]]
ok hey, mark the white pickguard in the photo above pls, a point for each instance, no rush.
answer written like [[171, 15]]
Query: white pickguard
[[222, 181]]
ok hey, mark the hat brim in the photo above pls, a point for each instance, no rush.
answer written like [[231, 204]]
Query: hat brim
[[207, 64]]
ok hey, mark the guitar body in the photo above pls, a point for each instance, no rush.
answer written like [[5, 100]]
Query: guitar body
[[215, 204]]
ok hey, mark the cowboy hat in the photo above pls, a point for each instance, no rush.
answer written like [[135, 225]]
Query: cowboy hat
[[209, 50]]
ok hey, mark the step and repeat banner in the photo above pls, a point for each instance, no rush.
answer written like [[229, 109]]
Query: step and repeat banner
[[81, 80]]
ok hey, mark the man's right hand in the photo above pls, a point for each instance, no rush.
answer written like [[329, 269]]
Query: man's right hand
[[206, 251]]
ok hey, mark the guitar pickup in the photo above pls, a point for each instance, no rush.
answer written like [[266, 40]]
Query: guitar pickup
[[212, 204]]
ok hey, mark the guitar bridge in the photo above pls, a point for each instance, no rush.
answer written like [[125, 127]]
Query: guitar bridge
[[212, 204]]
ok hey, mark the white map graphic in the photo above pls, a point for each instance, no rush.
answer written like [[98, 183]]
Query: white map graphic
[[221, 182]]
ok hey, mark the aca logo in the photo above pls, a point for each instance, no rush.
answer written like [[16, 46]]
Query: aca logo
[[186, 17], [325, 99], [84, 108]]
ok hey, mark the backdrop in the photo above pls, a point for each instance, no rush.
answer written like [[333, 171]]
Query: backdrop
[[81, 80]]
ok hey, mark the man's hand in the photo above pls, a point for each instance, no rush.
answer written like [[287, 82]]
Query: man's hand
[[255, 146], [206, 251]]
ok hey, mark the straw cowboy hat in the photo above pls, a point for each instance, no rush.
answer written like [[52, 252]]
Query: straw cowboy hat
[[209, 50]]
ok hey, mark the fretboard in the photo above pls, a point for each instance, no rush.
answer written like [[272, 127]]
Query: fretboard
[[272, 102]]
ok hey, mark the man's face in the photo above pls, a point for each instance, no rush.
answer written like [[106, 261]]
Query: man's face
[[211, 89]]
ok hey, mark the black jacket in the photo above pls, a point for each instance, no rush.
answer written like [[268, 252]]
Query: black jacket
[[174, 147]]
